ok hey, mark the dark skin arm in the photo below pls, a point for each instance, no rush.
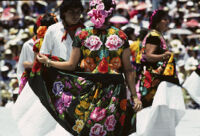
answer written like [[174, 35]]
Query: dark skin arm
[[152, 57], [130, 78]]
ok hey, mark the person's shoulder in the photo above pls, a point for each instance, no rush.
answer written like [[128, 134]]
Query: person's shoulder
[[55, 26], [30, 42]]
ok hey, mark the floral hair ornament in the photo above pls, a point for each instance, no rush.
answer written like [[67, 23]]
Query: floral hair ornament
[[98, 12], [151, 18]]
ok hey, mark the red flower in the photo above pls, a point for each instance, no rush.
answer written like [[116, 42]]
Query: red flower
[[36, 67], [122, 119], [103, 66], [147, 80], [83, 35], [122, 35]]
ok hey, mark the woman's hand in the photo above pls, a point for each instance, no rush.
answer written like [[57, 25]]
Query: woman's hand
[[42, 58], [137, 104], [167, 55]]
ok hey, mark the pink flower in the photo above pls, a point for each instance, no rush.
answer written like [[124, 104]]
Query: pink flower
[[67, 99], [97, 130], [112, 108], [94, 2], [110, 123], [100, 6], [59, 106], [68, 85], [97, 17], [98, 114], [114, 42], [93, 43], [114, 99]]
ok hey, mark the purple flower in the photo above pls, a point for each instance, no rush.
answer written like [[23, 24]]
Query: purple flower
[[97, 130], [59, 106], [78, 86], [57, 87], [110, 123], [68, 85], [66, 99], [109, 94], [98, 114]]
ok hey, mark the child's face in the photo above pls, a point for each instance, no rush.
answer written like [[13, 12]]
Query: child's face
[[72, 16]]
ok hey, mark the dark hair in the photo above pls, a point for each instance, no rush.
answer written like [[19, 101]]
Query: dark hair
[[69, 4], [156, 17], [128, 31], [47, 20], [108, 4]]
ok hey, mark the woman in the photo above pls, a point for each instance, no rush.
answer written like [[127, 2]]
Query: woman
[[33, 46], [92, 102], [155, 57]]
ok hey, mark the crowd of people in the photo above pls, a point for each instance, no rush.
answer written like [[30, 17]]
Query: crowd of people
[[30, 29]]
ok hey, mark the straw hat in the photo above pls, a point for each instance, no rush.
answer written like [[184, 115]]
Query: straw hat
[[13, 31], [8, 52], [41, 2], [4, 68]]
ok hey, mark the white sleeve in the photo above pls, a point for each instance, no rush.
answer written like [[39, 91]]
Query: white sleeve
[[47, 45], [22, 58]]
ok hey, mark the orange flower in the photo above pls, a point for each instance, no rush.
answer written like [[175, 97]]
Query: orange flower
[[115, 63], [41, 31], [123, 104], [103, 66], [83, 35], [88, 64], [122, 35]]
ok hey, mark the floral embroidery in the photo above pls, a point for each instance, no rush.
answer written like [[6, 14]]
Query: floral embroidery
[[78, 112], [68, 85], [122, 35], [57, 87], [123, 104], [93, 43], [147, 80], [112, 108], [111, 31], [115, 63], [67, 99], [98, 114], [122, 119], [110, 123], [97, 130], [83, 35], [84, 104], [103, 66], [79, 126], [59, 106], [88, 64], [113, 42]]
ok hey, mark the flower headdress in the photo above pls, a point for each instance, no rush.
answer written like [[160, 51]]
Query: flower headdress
[[151, 18], [98, 12]]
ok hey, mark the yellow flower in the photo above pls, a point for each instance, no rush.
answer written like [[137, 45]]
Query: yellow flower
[[119, 51], [111, 31], [84, 104], [79, 126], [78, 112], [81, 117], [87, 113], [86, 52]]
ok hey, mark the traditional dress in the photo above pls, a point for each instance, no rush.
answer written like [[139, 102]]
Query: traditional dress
[[154, 73], [92, 101]]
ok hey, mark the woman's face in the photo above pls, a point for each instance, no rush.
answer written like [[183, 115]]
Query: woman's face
[[72, 16], [163, 24]]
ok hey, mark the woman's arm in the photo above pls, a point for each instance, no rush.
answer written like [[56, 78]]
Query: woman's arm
[[130, 77], [151, 57], [66, 65]]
